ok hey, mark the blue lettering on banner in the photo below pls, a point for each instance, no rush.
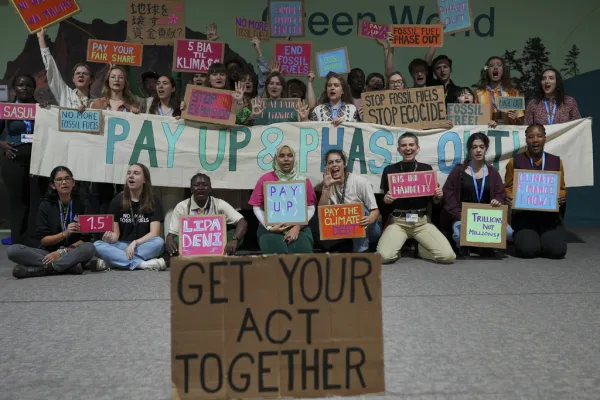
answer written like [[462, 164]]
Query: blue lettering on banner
[[235, 145], [497, 135], [270, 147], [220, 152], [306, 147], [442, 160], [112, 137], [326, 145], [380, 151], [172, 138]]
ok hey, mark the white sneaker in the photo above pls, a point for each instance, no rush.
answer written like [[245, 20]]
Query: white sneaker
[[101, 265], [156, 264]]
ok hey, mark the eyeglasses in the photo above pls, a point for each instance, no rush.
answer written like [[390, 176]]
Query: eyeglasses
[[81, 74], [66, 179], [495, 64], [397, 83]]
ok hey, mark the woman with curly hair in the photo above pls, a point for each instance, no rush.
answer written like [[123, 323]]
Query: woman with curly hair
[[551, 105], [335, 102]]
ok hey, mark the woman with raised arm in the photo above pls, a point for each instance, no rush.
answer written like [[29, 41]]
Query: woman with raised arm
[[335, 103], [551, 104]]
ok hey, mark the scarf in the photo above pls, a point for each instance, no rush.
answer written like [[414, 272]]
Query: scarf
[[294, 174]]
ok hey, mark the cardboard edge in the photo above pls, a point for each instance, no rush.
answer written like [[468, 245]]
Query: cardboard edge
[[186, 98]]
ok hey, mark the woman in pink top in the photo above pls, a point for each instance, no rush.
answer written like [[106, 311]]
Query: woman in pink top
[[551, 105], [283, 238]]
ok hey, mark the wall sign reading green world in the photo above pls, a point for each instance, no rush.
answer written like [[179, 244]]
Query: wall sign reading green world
[[483, 225]]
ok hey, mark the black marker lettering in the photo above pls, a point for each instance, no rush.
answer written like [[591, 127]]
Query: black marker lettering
[[328, 366], [309, 314], [314, 368], [350, 366], [216, 282], [262, 370], [186, 369], [287, 335], [204, 370], [354, 263], [290, 364], [245, 377], [329, 281], [241, 265], [319, 280], [248, 317], [180, 285], [289, 275]]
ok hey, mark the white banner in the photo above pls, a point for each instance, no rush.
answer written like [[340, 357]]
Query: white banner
[[235, 158]]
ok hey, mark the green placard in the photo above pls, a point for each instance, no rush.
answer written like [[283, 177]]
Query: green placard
[[280, 110], [483, 225]]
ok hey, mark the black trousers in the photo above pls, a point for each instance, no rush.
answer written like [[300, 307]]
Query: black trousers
[[330, 246], [538, 234]]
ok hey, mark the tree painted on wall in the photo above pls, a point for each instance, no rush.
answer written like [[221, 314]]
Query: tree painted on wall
[[514, 65], [571, 68], [535, 59]]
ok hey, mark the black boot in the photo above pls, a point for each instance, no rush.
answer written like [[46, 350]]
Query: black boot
[[21, 271], [76, 269]]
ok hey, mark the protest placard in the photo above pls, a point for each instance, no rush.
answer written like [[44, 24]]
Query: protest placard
[[88, 121], [417, 35], [341, 221], [510, 103], [106, 52], [483, 225], [286, 18], [417, 108], [335, 60], [37, 14], [202, 235], [20, 111], [95, 223], [205, 104], [3, 93], [196, 55], [456, 15], [373, 30], [285, 203], [294, 58], [249, 28], [469, 114], [536, 190], [412, 184], [276, 111], [155, 22], [277, 326]]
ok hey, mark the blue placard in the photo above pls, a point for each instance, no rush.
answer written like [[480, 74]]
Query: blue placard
[[456, 14], [335, 60], [88, 121], [286, 18], [536, 190], [509, 103], [285, 203]]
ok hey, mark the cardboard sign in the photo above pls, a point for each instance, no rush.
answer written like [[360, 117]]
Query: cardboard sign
[[417, 35], [294, 57], [196, 55], [469, 114], [277, 326], [536, 190], [509, 103], [88, 121], [335, 60], [103, 51], [249, 28], [95, 223], [3, 92], [456, 15], [341, 221], [483, 225], [202, 235], [286, 18], [37, 14], [209, 105], [155, 22], [18, 111], [285, 203], [412, 184], [276, 111], [373, 30], [417, 108]]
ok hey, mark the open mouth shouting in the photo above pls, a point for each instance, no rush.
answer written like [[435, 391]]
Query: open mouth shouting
[[495, 74]]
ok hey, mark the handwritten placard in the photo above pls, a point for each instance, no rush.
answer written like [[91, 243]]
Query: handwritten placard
[[88, 121], [18, 111], [276, 111], [103, 51], [335, 60], [341, 221], [286, 18], [373, 30], [294, 58], [196, 55], [469, 113], [536, 190], [417, 35], [412, 184], [202, 235], [37, 14], [155, 22], [417, 108], [209, 105], [250, 28], [483, 225], [95, 223], [285, 203], [456, 15], [509, 103]]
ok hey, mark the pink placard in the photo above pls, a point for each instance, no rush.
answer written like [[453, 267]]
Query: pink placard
[[95, 223], [412, 184], [196, 55], [373, 30], [18, 111], [202, 235], [294, 57]]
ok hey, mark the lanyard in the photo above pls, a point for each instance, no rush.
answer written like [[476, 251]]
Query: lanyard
[[205, 209], [63, 216], [543, 161], [479, 193], [342, 199], [160, 111], [549, 116], [28, 126], [335, 111], [492, 96]]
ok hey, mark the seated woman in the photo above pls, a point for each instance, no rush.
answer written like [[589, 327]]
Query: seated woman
[[202, 203], [134, 241], [536, 233], [551, 105], [62, 249], [341, 187], [283, 238], [335, 103], [472, 182], [408, 217]]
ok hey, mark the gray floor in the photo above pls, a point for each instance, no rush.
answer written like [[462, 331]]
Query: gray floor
[[497, 329]]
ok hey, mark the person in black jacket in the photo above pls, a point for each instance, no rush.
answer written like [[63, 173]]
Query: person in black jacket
[[63, 248]]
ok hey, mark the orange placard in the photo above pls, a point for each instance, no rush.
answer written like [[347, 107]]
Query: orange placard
[[341, 221], [106, 52], [39, 14], [417, 35]]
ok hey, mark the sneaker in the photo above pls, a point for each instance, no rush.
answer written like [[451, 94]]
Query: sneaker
[[76, 269], [101, 265], [21, 271], [156, 264]]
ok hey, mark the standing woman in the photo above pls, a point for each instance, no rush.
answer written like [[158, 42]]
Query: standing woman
[[217, 76], [551, 105], [63, 248], [275, 86], [335, 103]]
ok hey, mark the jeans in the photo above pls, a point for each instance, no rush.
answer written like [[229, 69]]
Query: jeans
[[456, 233], [32, 257], [373, 232], [114, 253]]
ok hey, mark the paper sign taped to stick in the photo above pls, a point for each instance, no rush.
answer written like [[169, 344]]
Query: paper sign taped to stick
[[417, 35], [286, 18], [96, 223], [106, 52], [412, 184], [88, 121], [196, 55], [285, 203], [277, 326], [202, 235], [536, 190], [249, 28], [469, 113], [294, 58], [18, 111], [341, 221], [38, 14], [417, 108], [335, 60], [155, 22], [276, 111], [509, 103], [204, 104], [483, 225], [456, 15], [373, 30]]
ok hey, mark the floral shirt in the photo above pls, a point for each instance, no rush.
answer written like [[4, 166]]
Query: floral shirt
[[535, 113], [347, 112]]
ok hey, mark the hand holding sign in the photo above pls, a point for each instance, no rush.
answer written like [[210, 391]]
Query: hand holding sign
[[96, 223]]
